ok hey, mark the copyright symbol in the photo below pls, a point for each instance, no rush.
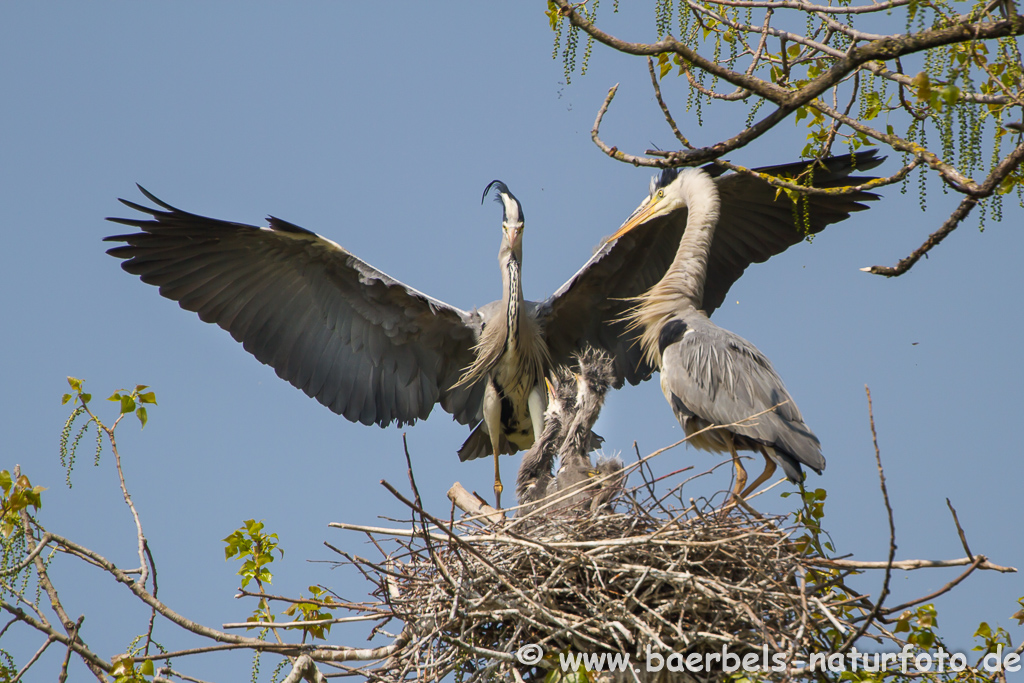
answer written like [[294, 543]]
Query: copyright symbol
[[529, 654]]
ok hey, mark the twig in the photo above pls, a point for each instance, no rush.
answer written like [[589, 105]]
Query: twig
[[959, 529], [908, 565], [876, 608]]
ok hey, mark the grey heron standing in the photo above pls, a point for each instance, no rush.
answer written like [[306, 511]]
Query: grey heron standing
[[378, 351], [711, 376]]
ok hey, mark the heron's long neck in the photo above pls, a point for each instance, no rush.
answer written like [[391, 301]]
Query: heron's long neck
[[682, 287], [512, 297]]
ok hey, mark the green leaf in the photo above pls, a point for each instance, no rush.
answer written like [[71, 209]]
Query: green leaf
[[146, 668], [127, 405], [65, 398], [951, 94], [903, 623], [76, 384], [553, 15], [116, 396], [874, 105], [148, 397], [141, 414], [922, 85], [86, 398], [664, 64]]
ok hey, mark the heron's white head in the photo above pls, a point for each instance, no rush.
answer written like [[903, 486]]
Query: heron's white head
[[512, 221], [671, 190]]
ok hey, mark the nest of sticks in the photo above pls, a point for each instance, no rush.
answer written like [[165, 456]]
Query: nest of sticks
[[651, 577]]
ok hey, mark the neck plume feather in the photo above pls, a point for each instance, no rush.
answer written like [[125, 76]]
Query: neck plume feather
[[682, 286], [513, 327]]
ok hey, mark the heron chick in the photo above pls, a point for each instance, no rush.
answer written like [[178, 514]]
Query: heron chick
[[536, 478], [576, 470], [574, 402], [709, 375]]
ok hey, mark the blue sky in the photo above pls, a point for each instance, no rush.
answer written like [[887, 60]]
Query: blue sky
[[379, 128]]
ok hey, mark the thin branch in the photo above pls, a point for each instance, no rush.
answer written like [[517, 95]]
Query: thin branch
[[945, 589], [92, 660], [808, 7], [907, 565], [72, 637], [664, 108], [876, 608], [951, 224], [34, 658]]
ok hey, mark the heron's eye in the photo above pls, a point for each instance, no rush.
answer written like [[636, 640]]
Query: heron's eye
[[661, 194]]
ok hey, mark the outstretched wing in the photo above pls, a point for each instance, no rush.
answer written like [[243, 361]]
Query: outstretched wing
[[756, 223], [589, 309], [362, 343]]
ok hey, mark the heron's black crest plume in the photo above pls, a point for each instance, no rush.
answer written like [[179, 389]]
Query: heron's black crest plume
[[502, 189], [664, 179]]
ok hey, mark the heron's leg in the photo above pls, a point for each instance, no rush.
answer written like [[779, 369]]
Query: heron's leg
[[498, 488], [741, 473], [492, 421], [537, 403], [769, 470]]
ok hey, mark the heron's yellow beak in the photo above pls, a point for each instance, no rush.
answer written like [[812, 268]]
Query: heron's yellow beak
[[643, 213]]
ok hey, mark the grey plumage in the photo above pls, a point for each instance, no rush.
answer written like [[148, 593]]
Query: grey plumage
[[612, 480], [573, 408], [536, 478], [377, 351], [711, 376], [592, 381]]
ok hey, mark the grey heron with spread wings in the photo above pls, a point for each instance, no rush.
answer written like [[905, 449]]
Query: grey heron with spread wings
[[377, 351]]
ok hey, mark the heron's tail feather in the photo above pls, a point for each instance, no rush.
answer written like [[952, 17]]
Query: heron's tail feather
[[478, 445]]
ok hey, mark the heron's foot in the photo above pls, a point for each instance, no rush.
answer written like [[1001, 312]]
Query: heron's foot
[[739, 490], [769, 470], [498, 488]]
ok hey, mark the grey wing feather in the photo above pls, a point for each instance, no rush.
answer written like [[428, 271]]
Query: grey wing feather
[[758, 222], [365, 345], [588, 310], [755, 224], [722, 378]]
